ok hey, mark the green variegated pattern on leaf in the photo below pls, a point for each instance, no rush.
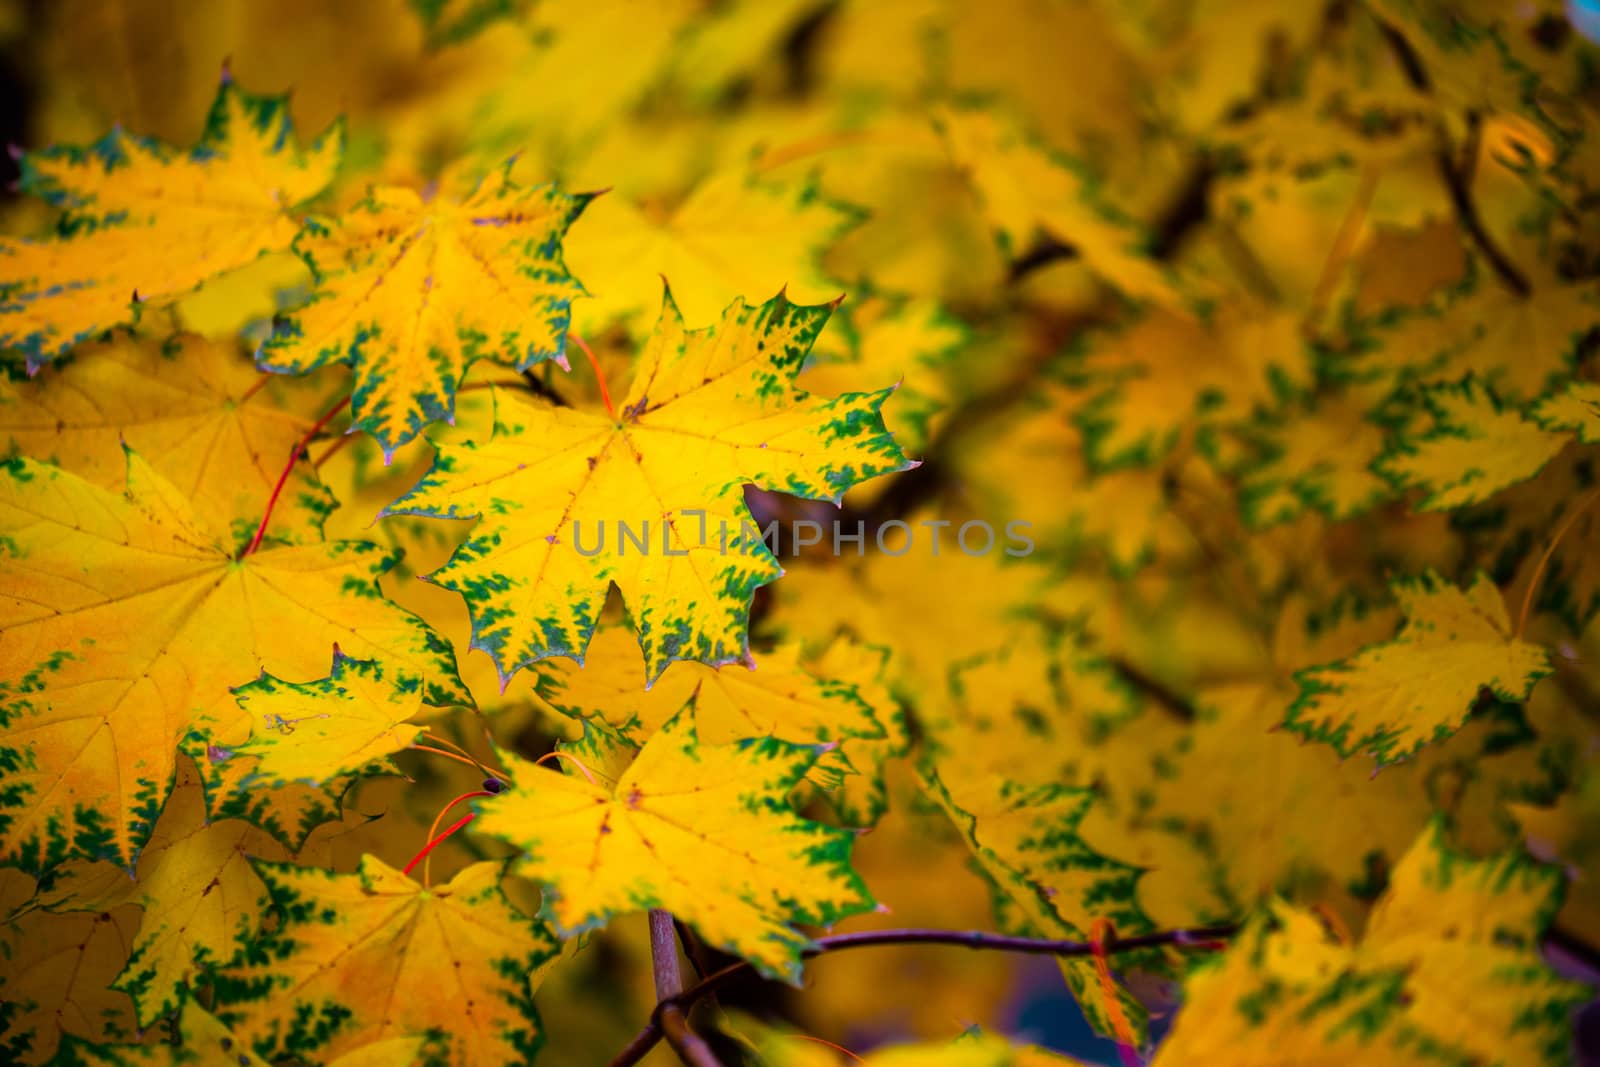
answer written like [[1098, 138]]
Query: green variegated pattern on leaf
[[1048, 881], [107, 668], [1575, 408], [412, 291], [145, 223], [1474, 448], [370, 956], [1411, 992], [704, 831], [314, 732], [653, 500], [1391, 699]]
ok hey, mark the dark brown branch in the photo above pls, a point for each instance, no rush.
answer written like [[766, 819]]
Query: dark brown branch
[[1456, 177], [676, 1006]]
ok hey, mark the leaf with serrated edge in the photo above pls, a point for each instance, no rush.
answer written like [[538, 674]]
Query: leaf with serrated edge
[[147, 223], [1391, 699], [703, 831], [412, 292], [710, 411], [109, 665], [368, 956], [1474, 449]]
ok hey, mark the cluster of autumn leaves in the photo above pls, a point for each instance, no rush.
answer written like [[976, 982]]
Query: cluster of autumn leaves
[[1276, 327]]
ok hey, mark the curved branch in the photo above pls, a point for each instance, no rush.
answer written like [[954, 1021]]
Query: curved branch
[[676, 1007]]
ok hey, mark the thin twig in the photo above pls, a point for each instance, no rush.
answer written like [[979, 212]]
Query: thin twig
[[1544, 561], [669, 1015], [1210, 938]]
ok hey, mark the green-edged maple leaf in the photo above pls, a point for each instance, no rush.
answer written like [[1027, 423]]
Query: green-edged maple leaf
[[1025, 191], [198, 411], [780, 697], [123, 624], [1393, 698], [199, 1039], [1575, 408], [145, 223], [1318, 457], [1463, 927], [1048, 881], [560, 492], [364, 957], [913, 343], [704, 831], [1284, 993], [1448, 970], [733, 238], [315, 732], [1474, 449], [412, 291], [202, 901], [774, 1045]]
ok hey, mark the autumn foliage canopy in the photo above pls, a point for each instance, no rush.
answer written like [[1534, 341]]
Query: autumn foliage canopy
[[523, 521]]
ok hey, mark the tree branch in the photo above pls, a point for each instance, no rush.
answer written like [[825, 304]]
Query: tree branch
[[670, 1017], [666, 1009]]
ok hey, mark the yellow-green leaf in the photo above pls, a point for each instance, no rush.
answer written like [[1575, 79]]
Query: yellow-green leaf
[[124, 623], [412, 291], [1391, 699], [651, 500], [145, 223], [366, 957], [704, 831], [1474, 449]]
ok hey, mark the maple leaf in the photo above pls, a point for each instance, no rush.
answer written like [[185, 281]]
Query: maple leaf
[[1447, 929], [734, 237], [200, 896], [144, 223], [108, 667], [704, 831], [1048, 881], [200, 1038], [780, 698], [1474, 449], [1575, 408], [368, 956], [411, 292], [197, 411], [1393, 698], [709, 411], [1025, 190], [315, 732], [57, 975], [1240, 358]]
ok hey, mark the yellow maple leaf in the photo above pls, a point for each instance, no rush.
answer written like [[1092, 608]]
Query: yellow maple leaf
[[1475, 448], [373, 955], [57, 977], [1393, 698], [197, 411], [412, 291], [704, 831], [1026, 190], [317, 731], [779, 697], [561, 492], [1049, 881], [106, 668], [1575, 408], [734, 237], [146, 223], [201, 898]]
